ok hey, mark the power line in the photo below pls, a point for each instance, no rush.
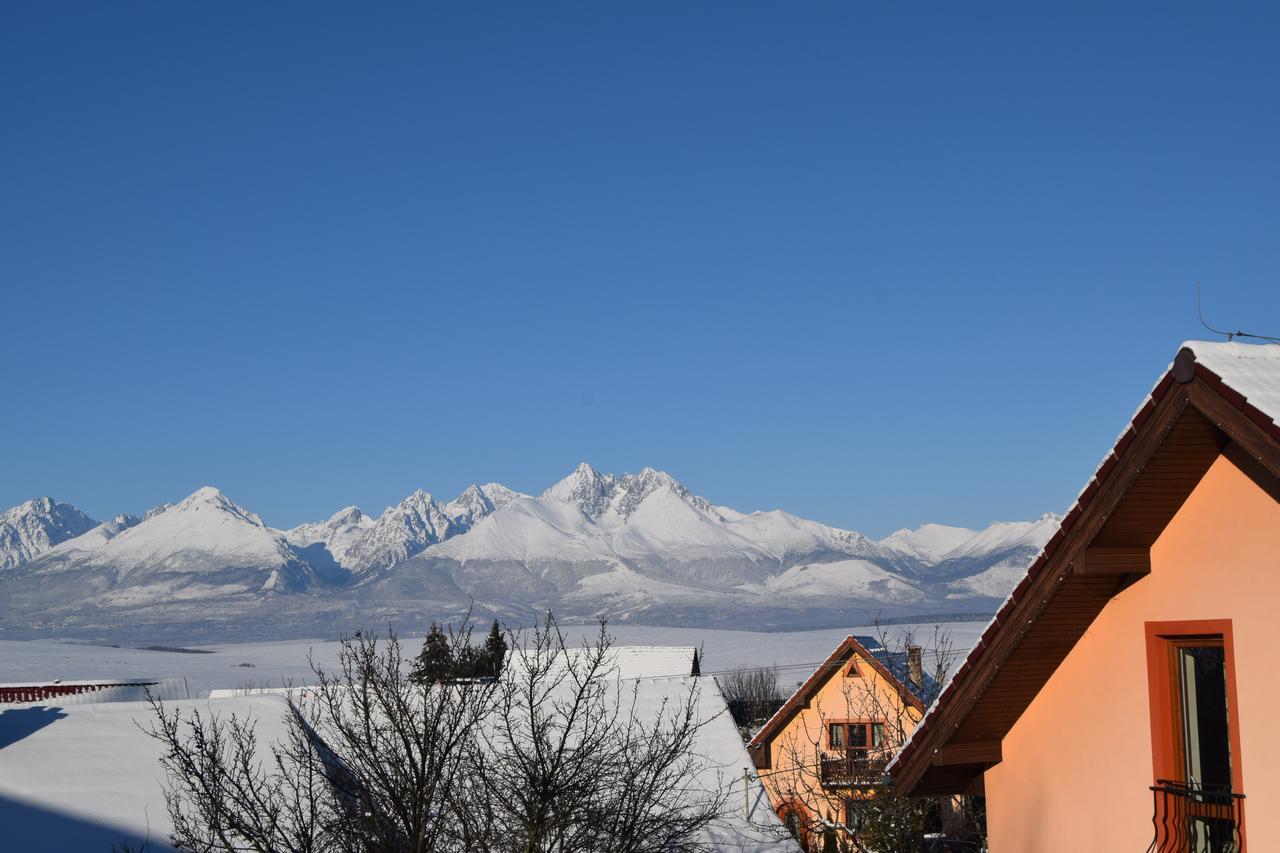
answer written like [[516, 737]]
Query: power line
[[1230, 335]]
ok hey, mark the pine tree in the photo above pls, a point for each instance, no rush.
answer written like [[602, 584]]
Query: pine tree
[[435, 662], [470, 663], [495, 649]]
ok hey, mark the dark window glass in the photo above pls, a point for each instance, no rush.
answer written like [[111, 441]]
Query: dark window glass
[[1202, 682]]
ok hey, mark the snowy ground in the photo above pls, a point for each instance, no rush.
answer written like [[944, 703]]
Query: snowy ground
[[270, 664]]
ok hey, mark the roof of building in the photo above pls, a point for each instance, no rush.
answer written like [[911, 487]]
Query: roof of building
[[1251, 369], [89, 692], [628, 662], [1215, 396], [892, 666], [88, 777]]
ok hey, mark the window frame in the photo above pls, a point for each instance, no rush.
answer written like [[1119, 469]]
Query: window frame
[[1163, 639], [868, 726]]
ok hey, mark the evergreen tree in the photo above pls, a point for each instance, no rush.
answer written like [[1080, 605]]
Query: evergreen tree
[[495, 650], [435, 662], [470, 663]]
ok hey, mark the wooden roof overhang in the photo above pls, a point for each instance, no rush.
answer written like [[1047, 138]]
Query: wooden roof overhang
[[762, 755], [1102, 546]]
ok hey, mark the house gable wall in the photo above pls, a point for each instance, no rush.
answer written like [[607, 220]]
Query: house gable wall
[[840, 698], [1078, 763]]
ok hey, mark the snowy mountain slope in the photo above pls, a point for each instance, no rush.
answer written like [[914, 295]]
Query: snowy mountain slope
[[1006, 535], [96, 536], [637, 546], [589, 515], [204, 545], [988, 564], [418, 521], [843, 578], [333, 538], [633, 542], [928, 542], [32, 528]]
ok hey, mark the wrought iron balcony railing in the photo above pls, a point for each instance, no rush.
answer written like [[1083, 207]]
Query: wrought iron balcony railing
[[1194, 818]]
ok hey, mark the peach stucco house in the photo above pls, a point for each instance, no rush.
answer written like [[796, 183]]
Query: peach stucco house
[[1125, 697], [829, 743]]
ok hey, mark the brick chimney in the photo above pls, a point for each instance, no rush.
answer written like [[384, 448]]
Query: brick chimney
[[915, 667]]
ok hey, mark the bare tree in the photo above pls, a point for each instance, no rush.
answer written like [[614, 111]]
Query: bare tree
[[752, 695], [571, 762], [557, 756], [370, 761]]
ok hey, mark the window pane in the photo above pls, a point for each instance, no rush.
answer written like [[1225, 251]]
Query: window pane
[[858, 735], [1207, 743], [837, 736], [877, 734]]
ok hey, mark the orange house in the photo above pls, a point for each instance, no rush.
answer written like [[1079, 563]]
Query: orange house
[[829, 743], [1125, 697]]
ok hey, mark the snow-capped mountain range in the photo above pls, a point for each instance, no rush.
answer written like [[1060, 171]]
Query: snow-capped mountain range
[[638, 547]]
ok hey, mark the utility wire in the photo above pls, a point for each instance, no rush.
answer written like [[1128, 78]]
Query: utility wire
[[1230, 335]]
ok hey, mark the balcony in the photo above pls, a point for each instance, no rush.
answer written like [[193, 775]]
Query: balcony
[[853, 768], [1194, 818]]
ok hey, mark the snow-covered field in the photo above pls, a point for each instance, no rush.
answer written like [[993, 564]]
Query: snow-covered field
[[271, 664]]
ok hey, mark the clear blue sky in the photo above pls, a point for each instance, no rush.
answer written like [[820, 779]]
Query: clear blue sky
[[872, 266]]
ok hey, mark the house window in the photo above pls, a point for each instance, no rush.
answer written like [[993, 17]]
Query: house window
[[1202, 732], [855, 736], [1195, 730]]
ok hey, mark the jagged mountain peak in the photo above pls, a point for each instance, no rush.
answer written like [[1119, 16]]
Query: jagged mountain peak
[[33, 527], [480, 501], [348, 515], [586, 488], [596, 493], [35, 505], [416, 500], [400, 532]]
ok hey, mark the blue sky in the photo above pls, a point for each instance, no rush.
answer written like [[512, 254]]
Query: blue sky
[[871, 265]]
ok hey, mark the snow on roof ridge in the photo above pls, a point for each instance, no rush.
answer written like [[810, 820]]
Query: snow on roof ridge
[[1237, 349]]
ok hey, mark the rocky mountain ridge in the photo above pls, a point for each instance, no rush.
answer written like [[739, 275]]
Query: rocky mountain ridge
[[639, 547]]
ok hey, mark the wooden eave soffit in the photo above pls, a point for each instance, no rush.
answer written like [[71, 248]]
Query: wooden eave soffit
[[1113, 561], [976, 752]]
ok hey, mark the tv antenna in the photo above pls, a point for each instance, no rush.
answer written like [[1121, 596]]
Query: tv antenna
[[1230, 335]]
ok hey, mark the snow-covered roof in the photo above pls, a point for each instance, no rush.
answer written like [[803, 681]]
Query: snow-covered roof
[[630, 662], [62, 693], [1251, 369], [87, 777]]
